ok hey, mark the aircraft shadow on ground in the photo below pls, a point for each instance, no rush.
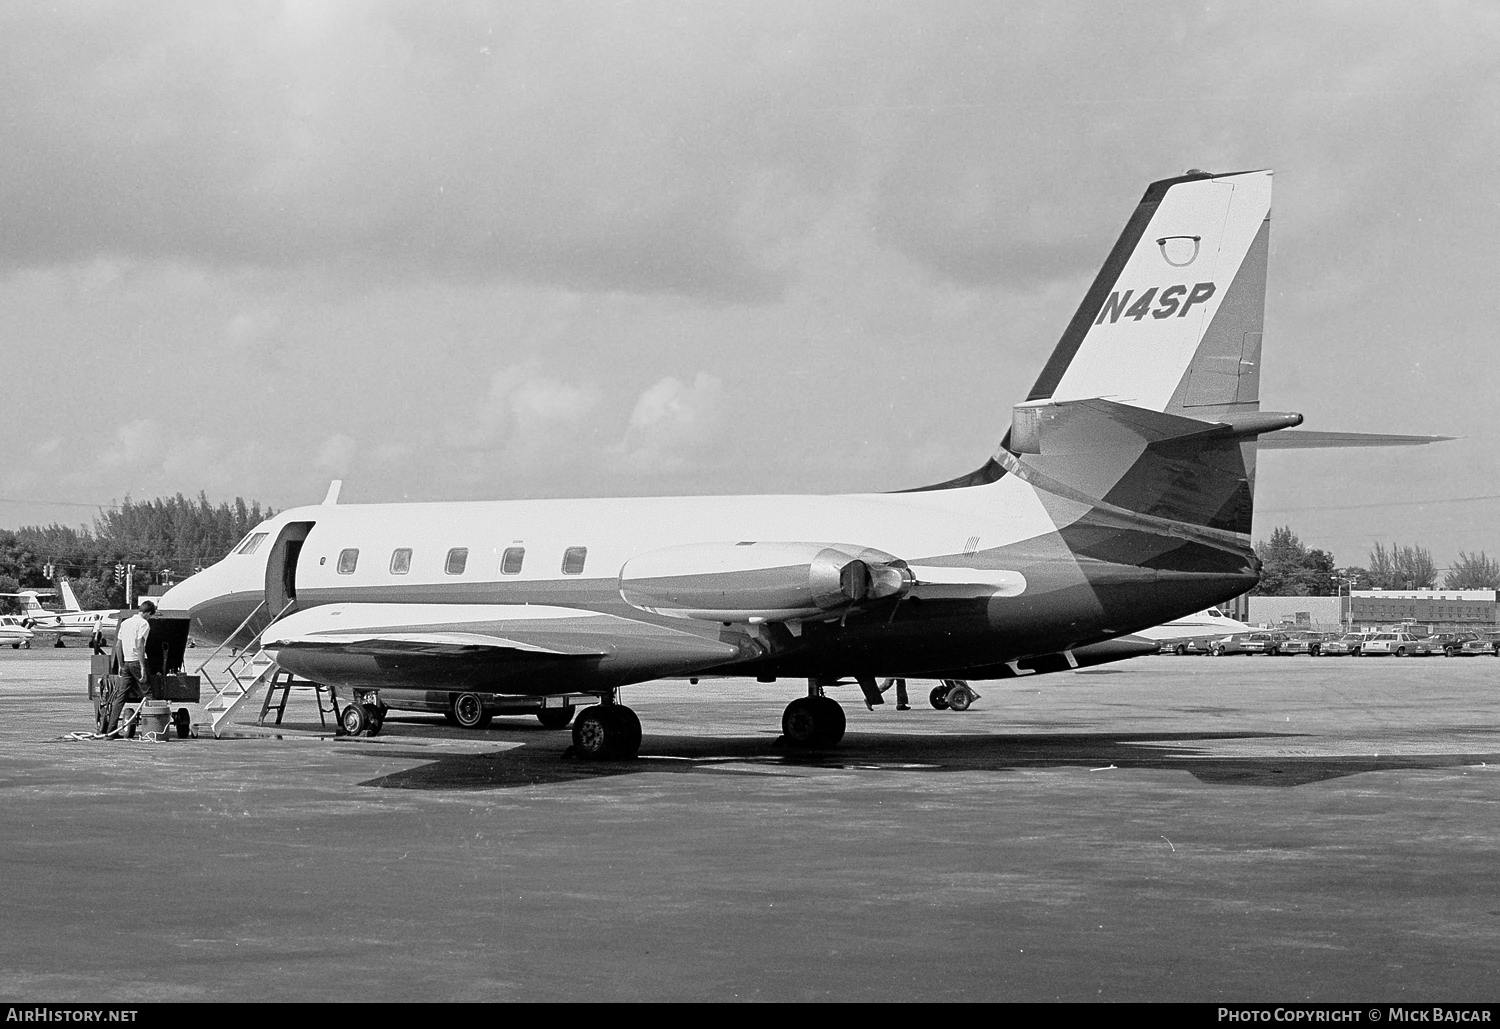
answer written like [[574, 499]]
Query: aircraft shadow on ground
[[545, 761]]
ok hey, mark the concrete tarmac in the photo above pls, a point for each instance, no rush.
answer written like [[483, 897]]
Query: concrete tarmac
[[1233, 829]]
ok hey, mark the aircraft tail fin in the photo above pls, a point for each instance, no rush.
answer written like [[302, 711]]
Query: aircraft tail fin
[[70, 602], [1173, 320]]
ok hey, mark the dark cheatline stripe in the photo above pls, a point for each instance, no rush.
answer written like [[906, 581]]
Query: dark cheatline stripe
[[1072, 337]]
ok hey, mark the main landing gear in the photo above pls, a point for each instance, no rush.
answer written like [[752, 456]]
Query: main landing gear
[[607, 732], [813, 722]]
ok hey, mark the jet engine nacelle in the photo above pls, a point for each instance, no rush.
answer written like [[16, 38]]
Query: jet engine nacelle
[[760, 582]]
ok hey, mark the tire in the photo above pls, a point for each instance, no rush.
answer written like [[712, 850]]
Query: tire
[[799, 723], [556, 717], [183, 723], [604, 733], [353, 719], [1447, 651], [375, 715], [630, 723], [1215, 651], [1316, 650], [468, 711], [938, 698], [959, 699], [1180, 650], [831, 718], [1400, 651]]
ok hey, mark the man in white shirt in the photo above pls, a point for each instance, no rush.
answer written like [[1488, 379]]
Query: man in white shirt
[[131, 641]]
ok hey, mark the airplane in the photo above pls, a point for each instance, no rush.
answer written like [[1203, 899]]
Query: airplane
[[1194, 631], [1120, 498], [72, 621], [14, 632]]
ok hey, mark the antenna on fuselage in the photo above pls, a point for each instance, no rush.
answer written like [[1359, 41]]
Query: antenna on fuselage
[[333, 491]]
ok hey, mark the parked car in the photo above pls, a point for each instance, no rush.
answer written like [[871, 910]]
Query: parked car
[[1268, 643], [1399, 644], [1484, 643], [1310, 643], [1451, 644], [1347, 645]]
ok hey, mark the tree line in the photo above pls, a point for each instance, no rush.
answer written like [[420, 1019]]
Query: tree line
[[1289, 568], [167, 539]]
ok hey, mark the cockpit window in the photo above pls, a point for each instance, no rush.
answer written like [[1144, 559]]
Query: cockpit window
[[251, 542], [347, 560]]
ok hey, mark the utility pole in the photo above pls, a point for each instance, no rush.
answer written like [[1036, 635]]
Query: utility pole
[[129, 585]]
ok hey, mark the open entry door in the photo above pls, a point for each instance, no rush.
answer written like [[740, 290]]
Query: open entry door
[[281, 568]]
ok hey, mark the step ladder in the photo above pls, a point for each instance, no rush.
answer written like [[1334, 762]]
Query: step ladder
[[249, 670], [279, 691]]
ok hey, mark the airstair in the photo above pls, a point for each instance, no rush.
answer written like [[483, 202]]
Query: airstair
[[248, 671], [279, 691]]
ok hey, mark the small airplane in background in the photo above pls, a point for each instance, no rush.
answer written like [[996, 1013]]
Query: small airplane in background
[[1194, 632], [13, 631], [72, 621]]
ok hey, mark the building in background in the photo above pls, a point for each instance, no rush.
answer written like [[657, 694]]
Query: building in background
[[1315, 614], [1361, 610]]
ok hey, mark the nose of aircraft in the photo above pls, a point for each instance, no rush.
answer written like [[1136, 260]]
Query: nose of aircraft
[[217, 599]]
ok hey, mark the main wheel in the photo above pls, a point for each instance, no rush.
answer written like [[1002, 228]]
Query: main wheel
[[375, 715], [959, 698], [938, 698], [813, 722], [606, 732], [468, 711], [831, 721], [353, 719], [556, 717]]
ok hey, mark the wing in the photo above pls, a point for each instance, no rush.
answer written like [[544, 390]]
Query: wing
[[501, 648]]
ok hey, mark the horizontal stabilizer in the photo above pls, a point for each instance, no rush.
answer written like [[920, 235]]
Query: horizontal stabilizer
[[1309, 439]]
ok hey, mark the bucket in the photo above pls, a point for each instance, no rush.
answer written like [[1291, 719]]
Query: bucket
[[155, 716]]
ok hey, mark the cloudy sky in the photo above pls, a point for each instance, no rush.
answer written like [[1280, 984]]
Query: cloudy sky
[[493, 250]]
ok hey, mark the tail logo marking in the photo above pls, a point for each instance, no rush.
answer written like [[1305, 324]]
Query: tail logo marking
[[1178, 249], [1170, 299]]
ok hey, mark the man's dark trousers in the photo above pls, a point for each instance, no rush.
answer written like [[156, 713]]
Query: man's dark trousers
[[130, 685]]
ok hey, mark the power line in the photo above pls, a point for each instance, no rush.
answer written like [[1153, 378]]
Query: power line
[[49, 503], [1388, 503]]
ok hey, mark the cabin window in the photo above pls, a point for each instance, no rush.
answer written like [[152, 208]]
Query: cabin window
[[510, 561], [458, 559], [401, 561], [347, 560], [251, 542], [573, 559]]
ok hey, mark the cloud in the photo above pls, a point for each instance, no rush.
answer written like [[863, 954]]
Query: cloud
[[134, 443], [336, 453], [525, 412], [671, 425]]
